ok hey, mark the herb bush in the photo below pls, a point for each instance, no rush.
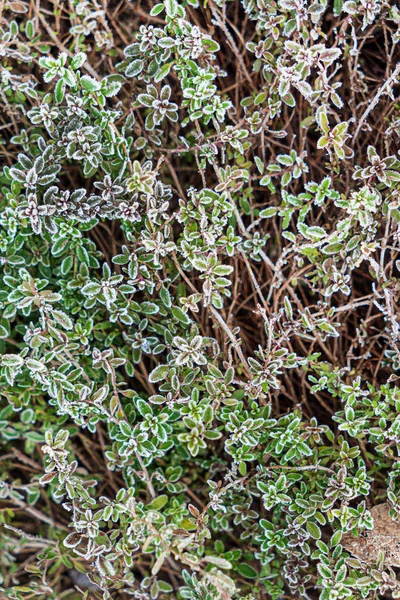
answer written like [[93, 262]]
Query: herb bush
[[200, 299]]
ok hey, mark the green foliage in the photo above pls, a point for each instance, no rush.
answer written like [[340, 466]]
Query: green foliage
[[199, 294]]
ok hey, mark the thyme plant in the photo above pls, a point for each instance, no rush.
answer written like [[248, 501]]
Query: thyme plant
[[200, 299]]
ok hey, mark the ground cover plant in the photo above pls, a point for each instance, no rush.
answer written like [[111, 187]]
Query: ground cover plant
[[199, 299]]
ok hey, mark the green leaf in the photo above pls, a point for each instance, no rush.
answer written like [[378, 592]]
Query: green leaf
[[269, 212], [66, 265], [315, 233], [4, 332], [78, 60], [212, 435], [11, 360], [30, 29], [332, 248], [313, 530], [219, 562], [156, 10], [159, 373], [163, 72], [246, 570], [120, 259], [211, 45], [336, 538], [158, 503], [62, 319], [180, 315], [34, 436], [90, 84], [171, 7], [59, 91], [134, 68]]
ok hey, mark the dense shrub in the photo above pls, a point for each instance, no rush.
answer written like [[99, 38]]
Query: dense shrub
[[200, 299]]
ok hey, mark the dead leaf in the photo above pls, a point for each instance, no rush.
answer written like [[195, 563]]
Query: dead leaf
[[17, 7], [384, 536]]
